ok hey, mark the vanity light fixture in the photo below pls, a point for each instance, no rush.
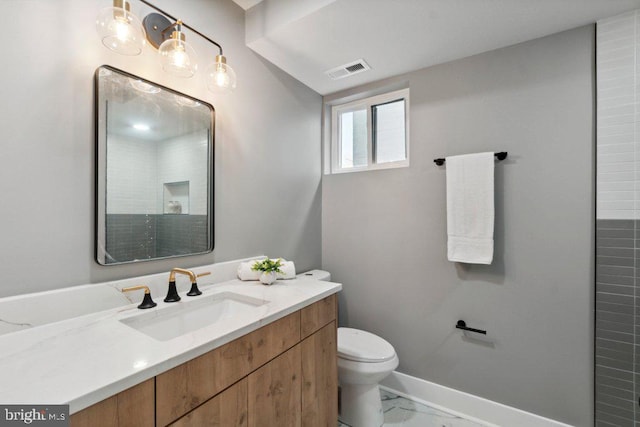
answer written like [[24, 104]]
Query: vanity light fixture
[[221, 77], [176, 55], [122, 32]]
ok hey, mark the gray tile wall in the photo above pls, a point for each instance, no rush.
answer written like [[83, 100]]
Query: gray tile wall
[[617, 315], [131, 237], [181, 234]]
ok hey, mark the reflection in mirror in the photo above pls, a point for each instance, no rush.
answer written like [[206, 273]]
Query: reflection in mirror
[[154, 171]]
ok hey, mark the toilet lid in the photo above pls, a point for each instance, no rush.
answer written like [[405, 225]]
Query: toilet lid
[[362, 346]]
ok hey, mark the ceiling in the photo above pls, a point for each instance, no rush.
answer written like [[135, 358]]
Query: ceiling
[[305, 38], [146, 112]]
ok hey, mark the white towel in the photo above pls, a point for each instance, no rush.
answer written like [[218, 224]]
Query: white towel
[[246, 273], [288, 270], [470, 208]]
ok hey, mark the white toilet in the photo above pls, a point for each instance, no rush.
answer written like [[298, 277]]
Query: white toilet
[[364, 359]]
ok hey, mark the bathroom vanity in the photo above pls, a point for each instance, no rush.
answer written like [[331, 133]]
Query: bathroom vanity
[[272, 362], [281, 374]]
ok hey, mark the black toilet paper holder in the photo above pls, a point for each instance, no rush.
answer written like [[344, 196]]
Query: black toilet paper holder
[[463, 325]]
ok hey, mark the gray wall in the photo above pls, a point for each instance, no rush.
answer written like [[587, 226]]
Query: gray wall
[[384, 232], [267, 147]]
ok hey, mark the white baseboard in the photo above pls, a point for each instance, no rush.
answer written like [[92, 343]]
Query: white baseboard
[[465, 405]]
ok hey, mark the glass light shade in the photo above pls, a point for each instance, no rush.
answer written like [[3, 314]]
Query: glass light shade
[[220, 77], [120, 31], [178, 57]]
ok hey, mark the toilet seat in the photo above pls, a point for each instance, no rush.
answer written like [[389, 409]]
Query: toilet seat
[[362, 346]]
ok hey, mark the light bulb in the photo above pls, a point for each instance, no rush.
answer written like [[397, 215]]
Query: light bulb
[[177, 56], [220, 76], [180, 57], [120, 30], [123, 30]]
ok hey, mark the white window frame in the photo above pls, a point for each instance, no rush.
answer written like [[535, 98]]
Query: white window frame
[[367, 104]]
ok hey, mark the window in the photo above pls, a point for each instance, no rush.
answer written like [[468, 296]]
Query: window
[[371, 133]]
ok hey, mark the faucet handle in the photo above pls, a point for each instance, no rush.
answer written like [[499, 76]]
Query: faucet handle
[[172, 292], [194, 286], [147, 302]]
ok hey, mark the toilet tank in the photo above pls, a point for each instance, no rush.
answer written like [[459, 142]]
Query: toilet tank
[[315, 274]]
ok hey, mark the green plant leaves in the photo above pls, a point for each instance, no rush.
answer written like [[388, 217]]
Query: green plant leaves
[[268, 265]]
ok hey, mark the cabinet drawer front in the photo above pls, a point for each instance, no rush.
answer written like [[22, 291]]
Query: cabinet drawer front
[[187, 386], [317, 315]]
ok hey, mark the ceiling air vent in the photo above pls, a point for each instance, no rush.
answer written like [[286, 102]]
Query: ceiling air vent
[[347, 70]]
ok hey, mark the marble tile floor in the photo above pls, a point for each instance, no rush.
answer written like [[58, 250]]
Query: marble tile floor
[[402, 412]]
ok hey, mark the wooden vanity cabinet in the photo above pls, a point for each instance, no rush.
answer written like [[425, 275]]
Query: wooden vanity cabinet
[[133, 407], [291, 370], [187, 386], [283, 374]]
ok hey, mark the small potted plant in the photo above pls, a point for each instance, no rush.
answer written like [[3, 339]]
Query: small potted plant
[[270, 268]]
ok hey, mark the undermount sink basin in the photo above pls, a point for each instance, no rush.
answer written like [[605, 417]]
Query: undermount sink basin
[[187, 316]]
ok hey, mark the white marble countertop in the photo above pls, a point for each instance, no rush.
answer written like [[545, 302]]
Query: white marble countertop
[[83, 360]]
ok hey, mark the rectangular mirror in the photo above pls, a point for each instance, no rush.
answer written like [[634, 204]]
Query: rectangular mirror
[[154, 171]]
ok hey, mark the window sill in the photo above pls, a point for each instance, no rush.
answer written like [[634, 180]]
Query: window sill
[[379, 166]]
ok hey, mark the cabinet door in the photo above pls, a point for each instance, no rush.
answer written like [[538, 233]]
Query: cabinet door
[[320, 378], [274, 392], [133, 407], [227, 409]]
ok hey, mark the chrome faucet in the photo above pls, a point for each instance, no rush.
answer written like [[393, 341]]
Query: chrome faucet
[[172, 294]]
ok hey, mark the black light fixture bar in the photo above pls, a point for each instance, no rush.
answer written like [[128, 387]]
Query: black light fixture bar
[[124, 33], [183, 24]]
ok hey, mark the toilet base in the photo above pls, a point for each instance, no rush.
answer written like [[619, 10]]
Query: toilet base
[[361, 405]]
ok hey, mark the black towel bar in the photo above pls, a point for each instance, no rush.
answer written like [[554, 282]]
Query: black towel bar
[[500, 156], [463, 325]]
